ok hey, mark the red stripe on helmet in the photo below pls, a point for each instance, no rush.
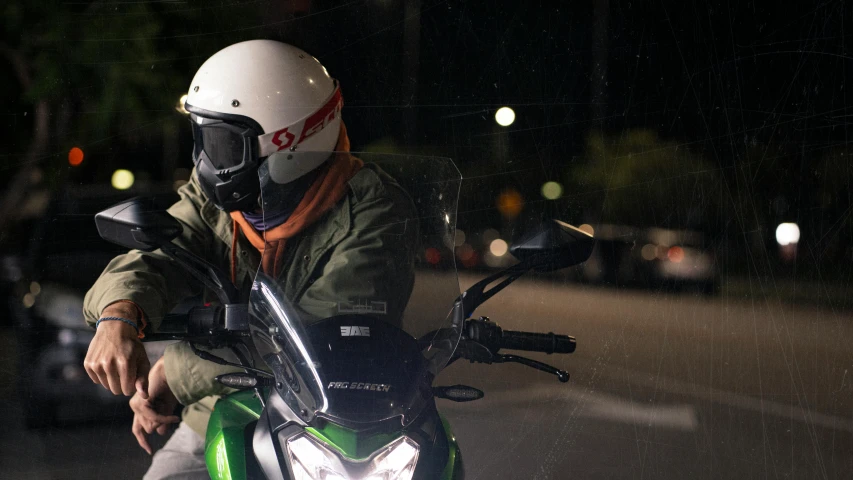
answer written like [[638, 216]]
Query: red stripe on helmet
[[319, 119]]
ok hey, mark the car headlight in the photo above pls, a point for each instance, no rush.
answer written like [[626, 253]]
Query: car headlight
[[312, 460]]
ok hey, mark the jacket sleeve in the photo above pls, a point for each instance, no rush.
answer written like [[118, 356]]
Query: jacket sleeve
[[375, 261], [151, 279]]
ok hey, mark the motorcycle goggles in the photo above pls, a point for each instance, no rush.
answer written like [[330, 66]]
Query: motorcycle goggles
[[233, 141], [225, 145]]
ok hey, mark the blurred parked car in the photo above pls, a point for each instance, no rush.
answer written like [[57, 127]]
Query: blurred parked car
[[655, 258]]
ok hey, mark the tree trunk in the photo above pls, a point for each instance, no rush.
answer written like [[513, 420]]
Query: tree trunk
[[29, 165]]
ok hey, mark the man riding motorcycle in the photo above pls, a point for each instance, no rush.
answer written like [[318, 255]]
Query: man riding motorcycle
[[327, 226]]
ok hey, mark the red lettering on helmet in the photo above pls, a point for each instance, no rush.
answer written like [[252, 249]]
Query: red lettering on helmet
[[276, 139], [322, 117]]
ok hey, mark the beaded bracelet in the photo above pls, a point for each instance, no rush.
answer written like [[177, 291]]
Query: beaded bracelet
[[120, 319]]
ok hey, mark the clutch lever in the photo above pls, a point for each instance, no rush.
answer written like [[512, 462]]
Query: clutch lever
[[562, 375], [479, 353]]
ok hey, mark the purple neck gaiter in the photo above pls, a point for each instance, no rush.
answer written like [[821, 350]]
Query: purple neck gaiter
[[264, 221], [279, 201]]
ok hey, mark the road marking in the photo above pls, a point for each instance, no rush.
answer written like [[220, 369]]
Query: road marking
[[786, 411], [602, 406]]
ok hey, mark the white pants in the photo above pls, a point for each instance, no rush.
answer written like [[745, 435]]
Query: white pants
[[181, 458]]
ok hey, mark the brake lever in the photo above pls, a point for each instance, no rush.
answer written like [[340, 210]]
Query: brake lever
[[562, 375]]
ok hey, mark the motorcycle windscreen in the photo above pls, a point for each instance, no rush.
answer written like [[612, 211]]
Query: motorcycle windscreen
[[351, 277]]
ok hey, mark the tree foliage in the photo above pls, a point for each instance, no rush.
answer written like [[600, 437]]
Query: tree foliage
[[640, 179]]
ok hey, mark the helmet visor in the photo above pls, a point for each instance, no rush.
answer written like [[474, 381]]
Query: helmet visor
[[225, 145]]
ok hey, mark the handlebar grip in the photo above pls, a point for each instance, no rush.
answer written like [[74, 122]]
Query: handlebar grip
[[198, 321], [538, 342], [173, 324]]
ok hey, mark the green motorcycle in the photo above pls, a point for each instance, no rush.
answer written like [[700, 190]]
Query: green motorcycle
[[349, 394]]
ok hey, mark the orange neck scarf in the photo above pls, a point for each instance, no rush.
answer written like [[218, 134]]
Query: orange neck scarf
[[326, 191]]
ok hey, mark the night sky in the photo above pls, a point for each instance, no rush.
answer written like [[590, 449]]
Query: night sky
[[754, 91]]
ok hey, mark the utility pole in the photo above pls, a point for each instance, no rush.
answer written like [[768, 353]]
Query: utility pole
[[600, 25], [411, 65]]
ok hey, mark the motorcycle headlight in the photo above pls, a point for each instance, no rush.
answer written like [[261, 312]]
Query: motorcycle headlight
[[312, 460]]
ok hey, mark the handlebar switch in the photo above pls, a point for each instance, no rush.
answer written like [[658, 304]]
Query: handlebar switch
[[485, 332], [237, 317]]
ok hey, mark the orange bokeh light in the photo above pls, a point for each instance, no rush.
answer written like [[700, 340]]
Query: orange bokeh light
[[510, 203], [433, 256], [675, 254], [75, 156]]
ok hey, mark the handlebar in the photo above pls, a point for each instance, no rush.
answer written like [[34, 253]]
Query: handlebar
[[491, 336], [537, 342], [201, 322], [483, 340]]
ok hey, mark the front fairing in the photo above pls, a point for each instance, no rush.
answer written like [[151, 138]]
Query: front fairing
[[357, 362]]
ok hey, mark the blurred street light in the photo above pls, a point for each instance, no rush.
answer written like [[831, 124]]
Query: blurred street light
[[675, 254], [29, 300], [498, 247], [122, 179], [505, 116], [488, 235], [180, 106], [587, 228], [467, 255], [787, 234], [75, 156], [459, 238], [510, 203], [552, 190], [432, 255]]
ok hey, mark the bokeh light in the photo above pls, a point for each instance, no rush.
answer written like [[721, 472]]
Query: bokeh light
[[498, 247], [122, 179], [28, 300], [459, 238], [488, 235], [675, 254], [432, 255], [787, 234], [75, 156], [510, 203], [467, 255], [505, 116], [180, 105], [552, 190]]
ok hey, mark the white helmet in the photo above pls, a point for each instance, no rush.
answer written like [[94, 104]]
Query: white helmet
[[254, 100]]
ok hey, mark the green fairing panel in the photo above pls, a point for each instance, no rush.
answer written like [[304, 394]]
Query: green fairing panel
[[225, 445], [453, 470]]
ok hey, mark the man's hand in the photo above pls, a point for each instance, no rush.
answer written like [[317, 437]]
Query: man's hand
[[153, 412], [116, 358]]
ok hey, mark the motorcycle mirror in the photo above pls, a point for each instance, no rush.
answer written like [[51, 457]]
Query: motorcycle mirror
[[139, 223], [554, 245]]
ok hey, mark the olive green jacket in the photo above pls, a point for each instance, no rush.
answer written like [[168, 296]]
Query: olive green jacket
[[361, 250]]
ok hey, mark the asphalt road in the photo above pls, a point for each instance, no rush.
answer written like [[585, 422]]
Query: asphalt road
[[663, 386]]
